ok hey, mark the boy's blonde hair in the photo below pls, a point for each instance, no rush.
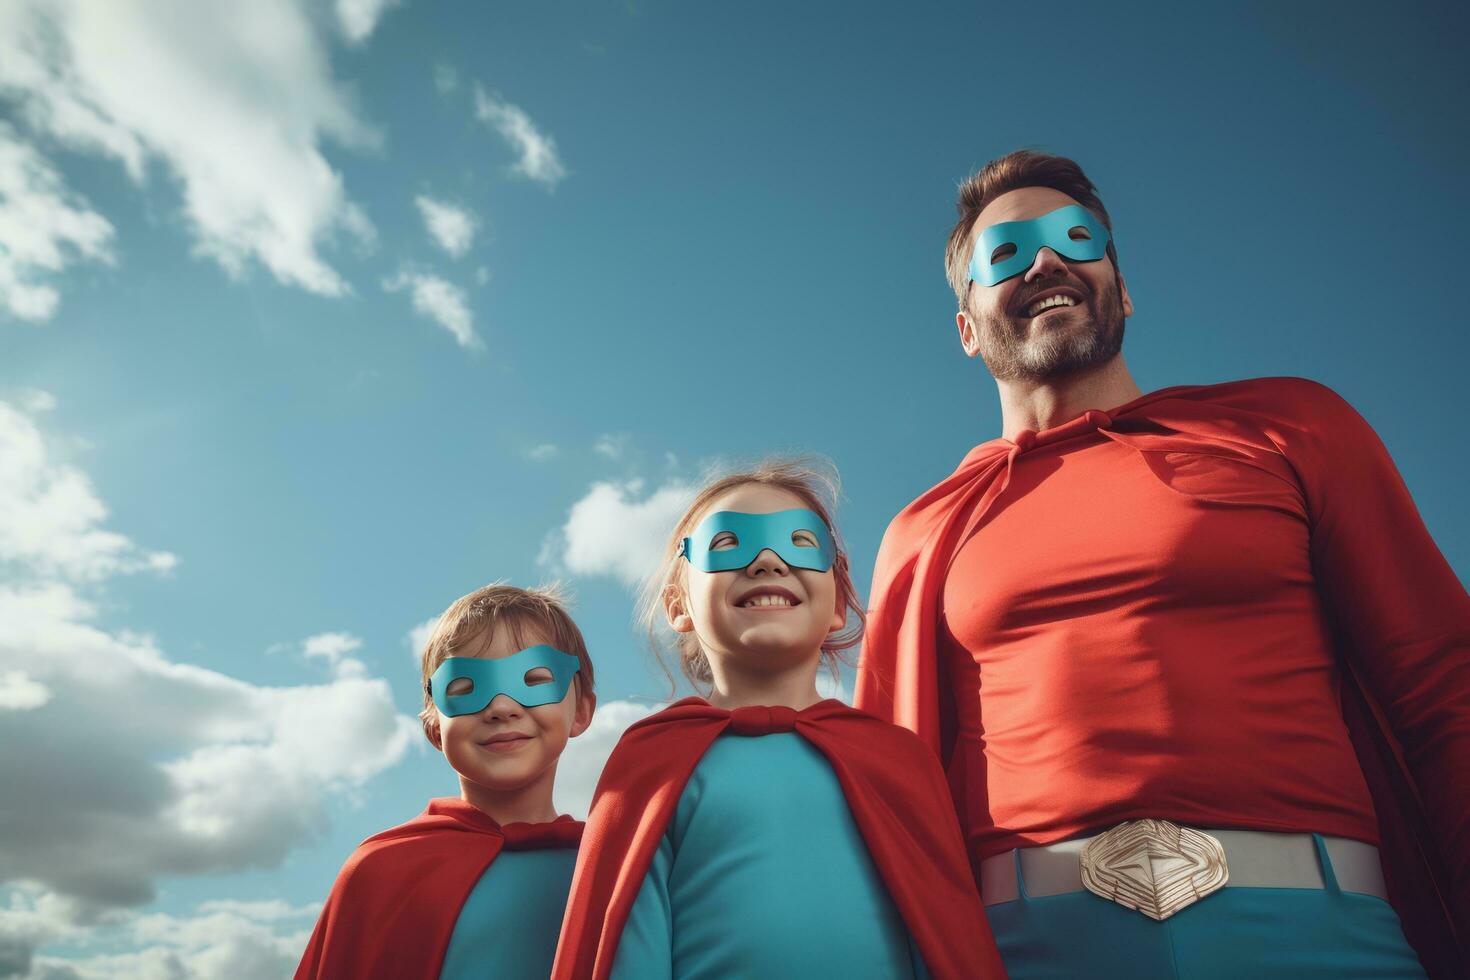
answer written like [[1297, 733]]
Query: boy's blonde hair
[[498, 606], [810, 480]]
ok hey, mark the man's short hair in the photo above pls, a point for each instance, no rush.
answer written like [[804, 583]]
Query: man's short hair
[[1023, 168], [524, 612]]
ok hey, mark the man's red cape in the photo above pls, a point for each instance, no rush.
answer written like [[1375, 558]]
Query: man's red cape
[[898, 677], [893, 786], [396, 900]]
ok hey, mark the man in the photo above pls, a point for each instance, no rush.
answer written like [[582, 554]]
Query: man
[[1181, 653]]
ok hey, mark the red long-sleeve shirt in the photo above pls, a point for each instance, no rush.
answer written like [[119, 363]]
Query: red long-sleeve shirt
[[1139, 613]]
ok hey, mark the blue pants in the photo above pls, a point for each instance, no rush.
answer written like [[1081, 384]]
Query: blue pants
[[1264, 933]]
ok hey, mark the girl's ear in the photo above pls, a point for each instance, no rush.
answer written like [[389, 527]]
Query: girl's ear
[[839, 608], [676, 609]]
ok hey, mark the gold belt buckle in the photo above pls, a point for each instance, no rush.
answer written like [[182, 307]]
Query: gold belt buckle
[[1154, 866]]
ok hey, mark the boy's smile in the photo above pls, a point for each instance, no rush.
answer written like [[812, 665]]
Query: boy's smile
[[507, 748]]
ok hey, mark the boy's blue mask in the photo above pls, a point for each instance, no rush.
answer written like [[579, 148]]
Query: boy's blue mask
[[1052, 230], [505, 675], [755, 533]]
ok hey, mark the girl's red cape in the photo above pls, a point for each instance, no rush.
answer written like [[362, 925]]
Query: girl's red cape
[[893, 786]]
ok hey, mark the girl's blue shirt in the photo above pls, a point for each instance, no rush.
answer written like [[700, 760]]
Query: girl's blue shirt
[[763, 872]]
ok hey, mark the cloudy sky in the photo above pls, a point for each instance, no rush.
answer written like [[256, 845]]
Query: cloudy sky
[[316, 315]]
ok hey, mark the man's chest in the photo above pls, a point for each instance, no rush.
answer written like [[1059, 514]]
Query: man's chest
[[1103, 532]]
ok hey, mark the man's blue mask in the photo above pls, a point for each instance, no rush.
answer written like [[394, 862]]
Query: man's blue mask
[[1009, 248], [754, 533], [506, 675]]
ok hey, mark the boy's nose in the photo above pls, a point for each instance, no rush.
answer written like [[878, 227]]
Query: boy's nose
[[503, 706]]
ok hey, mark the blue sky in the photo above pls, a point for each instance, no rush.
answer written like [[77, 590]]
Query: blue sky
[[263, 417]]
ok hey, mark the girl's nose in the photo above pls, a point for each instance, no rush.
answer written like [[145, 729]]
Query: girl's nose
[[767, 561]]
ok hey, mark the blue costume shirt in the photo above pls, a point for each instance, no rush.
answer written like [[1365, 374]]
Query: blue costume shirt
[[763, 872], [509, 924]]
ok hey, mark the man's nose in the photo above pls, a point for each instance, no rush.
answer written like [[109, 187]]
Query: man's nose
[[503, 706], [767, 562], [1046, 263]]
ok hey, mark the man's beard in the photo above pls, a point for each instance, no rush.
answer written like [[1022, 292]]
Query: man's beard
[[1013, 356]]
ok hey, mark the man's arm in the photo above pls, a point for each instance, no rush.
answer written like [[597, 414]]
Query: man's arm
[[1395, 604]]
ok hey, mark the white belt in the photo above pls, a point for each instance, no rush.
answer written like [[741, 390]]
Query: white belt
[[1158, 868]]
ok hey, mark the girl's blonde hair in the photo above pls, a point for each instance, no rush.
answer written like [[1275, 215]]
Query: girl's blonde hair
[[810, 480]]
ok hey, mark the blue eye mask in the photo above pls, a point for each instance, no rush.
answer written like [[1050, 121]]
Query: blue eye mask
[[507, 676], [754, 533], [1019, 241]]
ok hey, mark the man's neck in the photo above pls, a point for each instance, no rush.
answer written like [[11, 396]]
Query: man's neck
[[1041, 405], [524, 804], [795, 688]]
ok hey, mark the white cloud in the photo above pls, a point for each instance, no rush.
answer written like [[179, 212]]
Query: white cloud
[[581, 764], [611, 531], [446, 78], [333, 648], [441, 301], [233, 99], [50, 516], [220, 940], [34, 401], [44, 228], [538, 157], [613, 447], [418, 637], [543, 452], [18, 692], [358, 18], [148, 766], [830, 687], [452, 227]]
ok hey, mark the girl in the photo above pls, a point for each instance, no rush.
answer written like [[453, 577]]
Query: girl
[[762, 830]]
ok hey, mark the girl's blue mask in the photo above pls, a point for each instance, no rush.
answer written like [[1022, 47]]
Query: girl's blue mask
[[780, 532], [505, 675], [1009, 248]]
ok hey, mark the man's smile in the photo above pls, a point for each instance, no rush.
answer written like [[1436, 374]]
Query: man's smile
[[1055, 298]]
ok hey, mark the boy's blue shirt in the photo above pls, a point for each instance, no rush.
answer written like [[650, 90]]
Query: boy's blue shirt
[[509, 924], [398, 900]]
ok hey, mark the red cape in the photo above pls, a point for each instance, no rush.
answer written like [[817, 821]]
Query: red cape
[[396, 900], [892, 783], [898, 676]]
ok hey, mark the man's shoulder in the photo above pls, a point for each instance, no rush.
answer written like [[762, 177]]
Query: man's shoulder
[[1275, 397]]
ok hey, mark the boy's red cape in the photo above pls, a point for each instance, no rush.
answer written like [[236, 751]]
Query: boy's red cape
[[396, 900], [893, 786]]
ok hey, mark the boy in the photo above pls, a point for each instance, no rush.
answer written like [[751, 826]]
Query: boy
[[475, 885]]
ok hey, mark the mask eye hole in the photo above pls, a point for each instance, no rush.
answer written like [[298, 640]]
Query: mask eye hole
[[724, 541], [1079, 233], [538, 675], [459, 687], [1003, 252], [804, 539]]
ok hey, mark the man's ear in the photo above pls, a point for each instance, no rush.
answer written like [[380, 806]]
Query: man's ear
[[1123, 294], [586, 705], [676, 609], [967, 333]]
